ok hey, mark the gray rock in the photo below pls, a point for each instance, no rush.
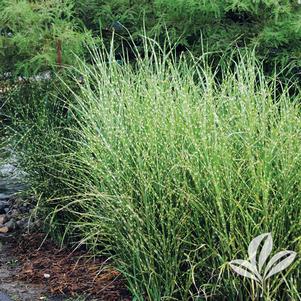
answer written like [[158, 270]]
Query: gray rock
[[14, 213], [4, 196], [21, 224], [3, 206], [3, 219], [11, 224], [4, 297], [24, 209]]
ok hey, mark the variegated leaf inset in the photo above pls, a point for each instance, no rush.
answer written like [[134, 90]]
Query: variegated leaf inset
[[251, 270], [246, 269], [265, 252], [272, 268]]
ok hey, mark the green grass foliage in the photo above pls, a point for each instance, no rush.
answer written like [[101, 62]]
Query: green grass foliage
[[172, 171]]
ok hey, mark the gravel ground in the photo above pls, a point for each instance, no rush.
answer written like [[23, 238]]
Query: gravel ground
[[16, 217], [31, 272]]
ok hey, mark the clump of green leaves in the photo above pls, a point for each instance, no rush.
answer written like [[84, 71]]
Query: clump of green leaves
[[31, 32]]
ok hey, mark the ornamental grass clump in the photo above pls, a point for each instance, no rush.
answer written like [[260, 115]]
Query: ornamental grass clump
[[172, 168], [176, 169]]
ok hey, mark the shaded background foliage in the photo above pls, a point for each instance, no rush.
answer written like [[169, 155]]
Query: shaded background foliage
[[30, 29]]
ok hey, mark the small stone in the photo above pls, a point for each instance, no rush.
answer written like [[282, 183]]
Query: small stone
[[4, 297], [23, 209], [3, 229], [11, 225], [3, 206], [21, 223], [2, 219], [14, 213]]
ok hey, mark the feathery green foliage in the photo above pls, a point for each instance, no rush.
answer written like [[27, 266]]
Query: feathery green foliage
[[274, 27], [30, 31]]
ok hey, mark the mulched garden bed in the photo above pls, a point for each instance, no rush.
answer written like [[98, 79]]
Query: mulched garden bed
[[63, 271]]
